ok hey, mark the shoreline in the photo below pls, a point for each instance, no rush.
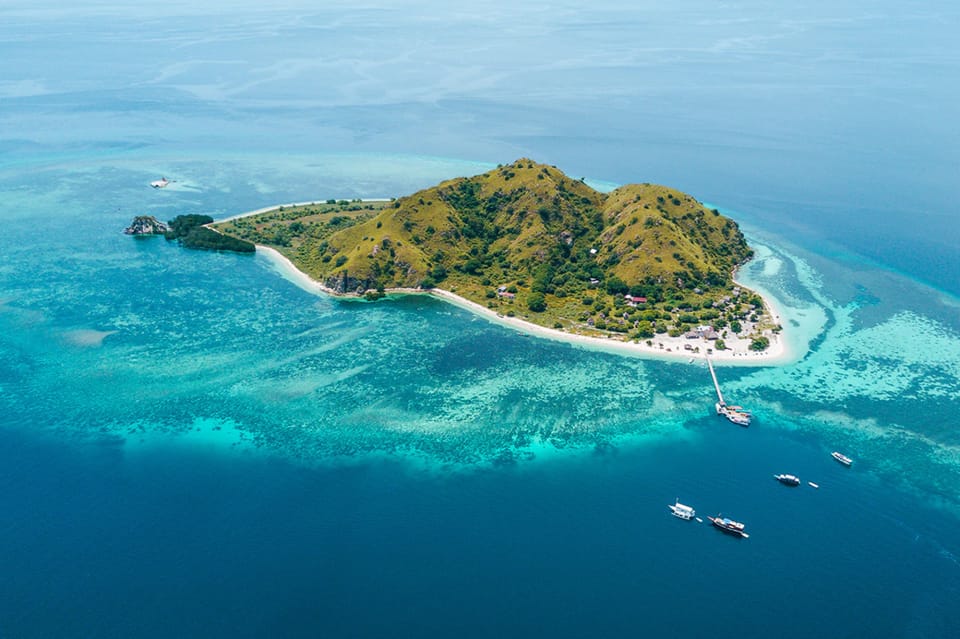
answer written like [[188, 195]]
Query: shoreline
[[663, 346]]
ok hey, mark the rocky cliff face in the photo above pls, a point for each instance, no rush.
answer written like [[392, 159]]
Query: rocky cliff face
[[146, 225], [343, 283]]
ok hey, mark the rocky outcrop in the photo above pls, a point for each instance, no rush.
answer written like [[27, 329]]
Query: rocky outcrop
[[146, 225], [342, 283]]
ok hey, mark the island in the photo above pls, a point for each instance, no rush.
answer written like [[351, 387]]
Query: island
[[644, 265]]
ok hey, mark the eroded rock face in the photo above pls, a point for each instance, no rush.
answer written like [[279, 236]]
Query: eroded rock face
[[146, 225], [343, 283]]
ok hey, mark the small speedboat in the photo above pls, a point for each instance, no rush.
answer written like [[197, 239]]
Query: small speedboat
[[681, 511], [788, 480], [160, 184], [813, 485], [729, 526], [840, 457]]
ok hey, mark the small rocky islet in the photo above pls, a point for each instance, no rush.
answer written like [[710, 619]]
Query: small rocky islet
[[146, 225]]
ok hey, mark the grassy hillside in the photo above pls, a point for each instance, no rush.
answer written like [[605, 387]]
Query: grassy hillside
[[296, 231], [526, 239]]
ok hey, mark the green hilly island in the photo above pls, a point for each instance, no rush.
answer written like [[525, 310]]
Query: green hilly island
[[526, 240]]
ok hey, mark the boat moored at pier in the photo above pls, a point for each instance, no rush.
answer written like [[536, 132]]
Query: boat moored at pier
[[735, 414]]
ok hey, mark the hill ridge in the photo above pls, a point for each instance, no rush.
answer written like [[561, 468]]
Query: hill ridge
[[526, 238]]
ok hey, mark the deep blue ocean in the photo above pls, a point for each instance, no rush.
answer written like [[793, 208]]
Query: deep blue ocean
[[193, 446]]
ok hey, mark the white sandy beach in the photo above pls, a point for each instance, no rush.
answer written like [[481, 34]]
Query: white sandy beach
[[663, 346]]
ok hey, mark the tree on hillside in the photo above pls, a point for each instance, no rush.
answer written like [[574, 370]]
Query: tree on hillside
[[472, 266], [536, 302], [616, 286], [438, 273]]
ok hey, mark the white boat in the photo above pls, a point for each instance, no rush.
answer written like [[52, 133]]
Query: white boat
[[683, 512], [788, 480], [840, 457], [735, 414], [160, 184], [813, 485]]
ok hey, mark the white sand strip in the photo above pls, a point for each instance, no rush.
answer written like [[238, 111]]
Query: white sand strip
[[663, 346]]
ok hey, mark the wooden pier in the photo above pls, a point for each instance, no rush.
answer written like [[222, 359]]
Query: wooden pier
[[716, 384], [735, 414]]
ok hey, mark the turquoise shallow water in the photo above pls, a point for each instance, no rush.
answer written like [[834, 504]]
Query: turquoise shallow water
[[195, 429], [192, 445]]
